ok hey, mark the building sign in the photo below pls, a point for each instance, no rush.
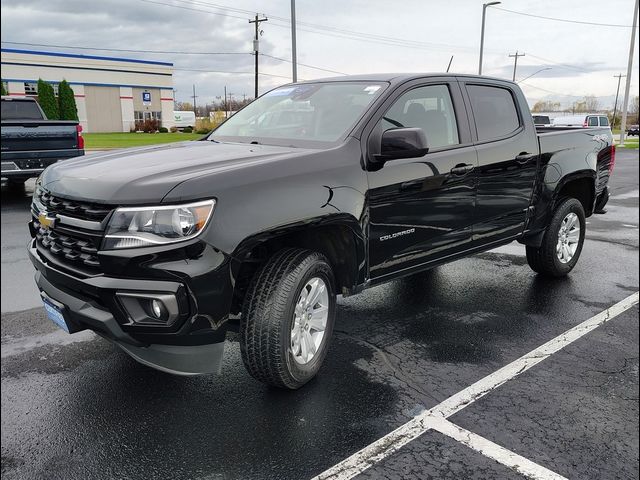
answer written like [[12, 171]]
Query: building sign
[[146, 98]]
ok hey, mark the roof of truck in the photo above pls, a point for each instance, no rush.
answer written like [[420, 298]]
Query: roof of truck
[[397, 77]]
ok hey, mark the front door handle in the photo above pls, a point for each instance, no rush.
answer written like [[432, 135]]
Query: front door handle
[[462, 169], [524, 157]]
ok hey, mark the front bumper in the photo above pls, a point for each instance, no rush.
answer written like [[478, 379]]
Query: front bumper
[[189, 348]]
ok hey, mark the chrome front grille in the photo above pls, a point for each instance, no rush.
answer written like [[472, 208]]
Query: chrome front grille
[[68, 233], [91, 212]]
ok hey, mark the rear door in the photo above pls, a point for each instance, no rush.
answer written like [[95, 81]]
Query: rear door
[[421, 209], [507, 147]]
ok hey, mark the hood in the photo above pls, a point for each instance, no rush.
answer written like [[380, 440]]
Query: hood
[[148, 174]]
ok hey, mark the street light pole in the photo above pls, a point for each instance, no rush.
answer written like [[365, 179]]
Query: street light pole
[[625, 102], [534, 73], [484, 15], [294, 54]]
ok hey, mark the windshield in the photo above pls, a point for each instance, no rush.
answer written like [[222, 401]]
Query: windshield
[[320, 112]]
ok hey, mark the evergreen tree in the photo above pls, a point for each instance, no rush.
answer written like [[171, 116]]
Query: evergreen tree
[[47, 100], [67, 102]]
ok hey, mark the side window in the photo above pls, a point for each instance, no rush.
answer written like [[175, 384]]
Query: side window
[[592, 121], [604, 122], [429, 108], [494, 110]]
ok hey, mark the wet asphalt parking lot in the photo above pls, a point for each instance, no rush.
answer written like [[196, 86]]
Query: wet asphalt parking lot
[[77, 407]]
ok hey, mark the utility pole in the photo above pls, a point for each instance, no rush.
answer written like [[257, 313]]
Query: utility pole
[[256, 44], [625, 103], [515, 63], [615, 104], [294, 54], [484, 15], [226, 109], [194, 99]]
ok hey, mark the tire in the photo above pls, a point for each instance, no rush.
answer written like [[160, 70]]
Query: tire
[[271, 309], [549, 259]]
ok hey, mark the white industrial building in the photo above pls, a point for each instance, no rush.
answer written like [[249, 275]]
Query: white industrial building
[[111, 93]]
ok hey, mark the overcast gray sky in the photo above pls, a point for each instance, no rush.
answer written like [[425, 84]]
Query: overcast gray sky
[[356, 36]]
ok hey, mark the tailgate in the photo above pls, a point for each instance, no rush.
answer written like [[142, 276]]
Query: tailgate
[[38, 136]]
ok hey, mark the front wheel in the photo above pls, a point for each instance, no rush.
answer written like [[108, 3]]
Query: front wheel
[[287, 318], [562, 242]]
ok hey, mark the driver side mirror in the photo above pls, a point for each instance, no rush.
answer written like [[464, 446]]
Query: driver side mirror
[[400, 143]]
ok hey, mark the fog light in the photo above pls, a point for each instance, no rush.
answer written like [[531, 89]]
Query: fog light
[[152, 308], [156, 308]]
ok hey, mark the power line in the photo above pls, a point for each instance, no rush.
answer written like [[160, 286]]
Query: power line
[[70, 47], [303, 64], [126, 50], [194, 9], [565, 20], [548, 91], [319, 29]]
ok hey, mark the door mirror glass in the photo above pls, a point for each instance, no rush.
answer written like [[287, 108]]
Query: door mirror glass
[[402, 143]]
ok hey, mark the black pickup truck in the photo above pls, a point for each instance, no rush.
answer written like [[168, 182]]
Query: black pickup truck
[[30, 142], [260, 225]]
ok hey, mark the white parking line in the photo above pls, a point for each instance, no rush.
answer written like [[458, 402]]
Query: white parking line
[[392, 442], [492, 450]]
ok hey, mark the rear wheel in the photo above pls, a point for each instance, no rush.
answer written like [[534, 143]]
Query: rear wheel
[[562, 242], [287, 318]]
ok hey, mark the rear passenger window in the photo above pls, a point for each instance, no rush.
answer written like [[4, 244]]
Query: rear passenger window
[[592, 122], [429, 108], [604, 122], [494, 110]]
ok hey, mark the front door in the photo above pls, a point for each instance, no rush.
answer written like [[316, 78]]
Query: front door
[[421, 209]]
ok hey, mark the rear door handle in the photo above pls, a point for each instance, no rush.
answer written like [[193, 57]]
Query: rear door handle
[[525, 157], [462, 169]]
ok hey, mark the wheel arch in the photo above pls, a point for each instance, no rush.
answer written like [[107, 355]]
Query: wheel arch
[[338, 237], [579, 185]]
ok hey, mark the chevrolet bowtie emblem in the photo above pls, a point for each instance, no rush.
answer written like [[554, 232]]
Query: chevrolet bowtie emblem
[[45, 221]]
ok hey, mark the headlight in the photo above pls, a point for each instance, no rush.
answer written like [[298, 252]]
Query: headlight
[[147, 226]]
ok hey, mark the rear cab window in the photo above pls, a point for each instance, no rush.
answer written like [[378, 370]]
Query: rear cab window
[[494, 110], [592, 121], [604, 122], [20, 110]]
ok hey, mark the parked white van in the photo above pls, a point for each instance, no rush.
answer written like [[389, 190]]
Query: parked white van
[[584, 120], [184, 119]]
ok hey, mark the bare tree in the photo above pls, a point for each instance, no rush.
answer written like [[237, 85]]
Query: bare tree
[[546, 106], [591, 103]]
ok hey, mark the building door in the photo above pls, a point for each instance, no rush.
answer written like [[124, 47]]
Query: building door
[[104, 113]]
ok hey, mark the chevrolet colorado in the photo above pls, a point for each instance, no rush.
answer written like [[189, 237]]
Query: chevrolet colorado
[[30, 142], [315, 189]]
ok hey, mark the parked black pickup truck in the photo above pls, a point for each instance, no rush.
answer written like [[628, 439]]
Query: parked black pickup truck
[[259, 226], [30, 142]]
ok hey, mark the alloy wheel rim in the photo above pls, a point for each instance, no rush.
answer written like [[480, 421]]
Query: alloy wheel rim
[[568, 238], [309, 321]]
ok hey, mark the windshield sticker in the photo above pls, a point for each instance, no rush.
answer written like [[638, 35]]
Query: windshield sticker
[[280, 92], [371, 89]]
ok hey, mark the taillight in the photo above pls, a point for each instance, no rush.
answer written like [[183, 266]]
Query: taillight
[[612, 162], [80, 137], [584, 125]]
